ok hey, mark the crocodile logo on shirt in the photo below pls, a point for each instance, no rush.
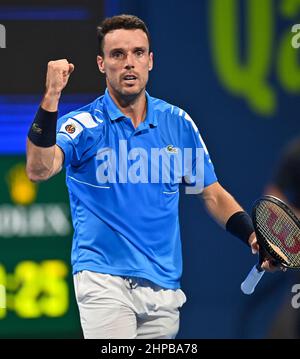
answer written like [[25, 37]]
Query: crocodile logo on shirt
[[171, 149]]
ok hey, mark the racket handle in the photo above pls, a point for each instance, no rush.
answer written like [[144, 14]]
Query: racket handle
[[252, 279]]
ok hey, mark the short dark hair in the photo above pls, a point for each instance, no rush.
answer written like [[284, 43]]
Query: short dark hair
[[128, 22]]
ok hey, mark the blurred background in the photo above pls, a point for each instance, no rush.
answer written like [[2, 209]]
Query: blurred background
[[229, 64]]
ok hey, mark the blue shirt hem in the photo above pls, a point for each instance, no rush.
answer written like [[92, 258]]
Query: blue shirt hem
[[125, 272]]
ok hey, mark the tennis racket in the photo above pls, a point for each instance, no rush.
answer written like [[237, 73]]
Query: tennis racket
[[277, 231]]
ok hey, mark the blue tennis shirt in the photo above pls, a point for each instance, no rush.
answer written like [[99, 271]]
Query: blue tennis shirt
[[123, 185]]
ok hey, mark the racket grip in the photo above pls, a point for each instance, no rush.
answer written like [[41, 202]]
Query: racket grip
[[252, 279]]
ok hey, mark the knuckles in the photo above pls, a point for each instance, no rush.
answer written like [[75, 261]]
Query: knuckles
[[58, 65]]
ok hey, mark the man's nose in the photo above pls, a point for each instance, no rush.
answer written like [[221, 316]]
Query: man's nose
[[129, 62]]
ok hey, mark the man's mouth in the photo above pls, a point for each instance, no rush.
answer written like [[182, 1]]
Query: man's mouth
[[129, 78]]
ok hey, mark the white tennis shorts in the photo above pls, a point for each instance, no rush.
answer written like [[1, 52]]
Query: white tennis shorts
[[114, 307]]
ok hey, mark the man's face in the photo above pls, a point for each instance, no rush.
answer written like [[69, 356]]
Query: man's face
[[126, 61]]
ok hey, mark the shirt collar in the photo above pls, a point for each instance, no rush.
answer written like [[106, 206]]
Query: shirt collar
[[115, 113]]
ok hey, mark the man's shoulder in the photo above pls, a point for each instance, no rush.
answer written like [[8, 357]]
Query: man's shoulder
[[172, 111], [89, 115], [84, 121], [164, 106]]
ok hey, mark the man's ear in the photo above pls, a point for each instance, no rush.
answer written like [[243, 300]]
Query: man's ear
[[100, 62], [150, 61]]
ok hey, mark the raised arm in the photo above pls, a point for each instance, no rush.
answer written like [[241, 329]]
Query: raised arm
[[44, 157]]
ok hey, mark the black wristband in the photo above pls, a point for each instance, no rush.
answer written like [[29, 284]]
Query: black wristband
[[42, 132], [240, 225]]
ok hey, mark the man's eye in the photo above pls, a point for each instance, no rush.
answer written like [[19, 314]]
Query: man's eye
[[139, 53], [117, 55]]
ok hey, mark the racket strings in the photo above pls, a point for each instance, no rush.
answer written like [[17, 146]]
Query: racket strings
[[278, 228]]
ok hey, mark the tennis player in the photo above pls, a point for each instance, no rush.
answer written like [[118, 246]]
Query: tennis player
[[126, 253]]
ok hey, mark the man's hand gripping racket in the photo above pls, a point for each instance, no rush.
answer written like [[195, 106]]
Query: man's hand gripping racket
[[277, 231]]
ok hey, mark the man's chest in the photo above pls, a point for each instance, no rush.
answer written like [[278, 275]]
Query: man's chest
[[147, 156]]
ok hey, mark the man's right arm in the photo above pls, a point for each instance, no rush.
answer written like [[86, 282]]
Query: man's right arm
[[44, 161]]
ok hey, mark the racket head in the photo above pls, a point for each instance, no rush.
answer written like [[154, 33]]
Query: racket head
[[277, 231]]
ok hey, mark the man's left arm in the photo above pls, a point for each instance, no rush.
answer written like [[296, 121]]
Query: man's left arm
[[230, 215]]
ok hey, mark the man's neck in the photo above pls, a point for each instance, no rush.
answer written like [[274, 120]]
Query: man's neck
[[132, 107]]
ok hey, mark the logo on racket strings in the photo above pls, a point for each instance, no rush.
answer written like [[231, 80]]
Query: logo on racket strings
[[282, 232]]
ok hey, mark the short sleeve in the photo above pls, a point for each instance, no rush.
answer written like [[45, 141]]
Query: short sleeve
[[74, 136], [201, 172]]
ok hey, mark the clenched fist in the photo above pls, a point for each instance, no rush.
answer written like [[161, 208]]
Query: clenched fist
[[58, 74]]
